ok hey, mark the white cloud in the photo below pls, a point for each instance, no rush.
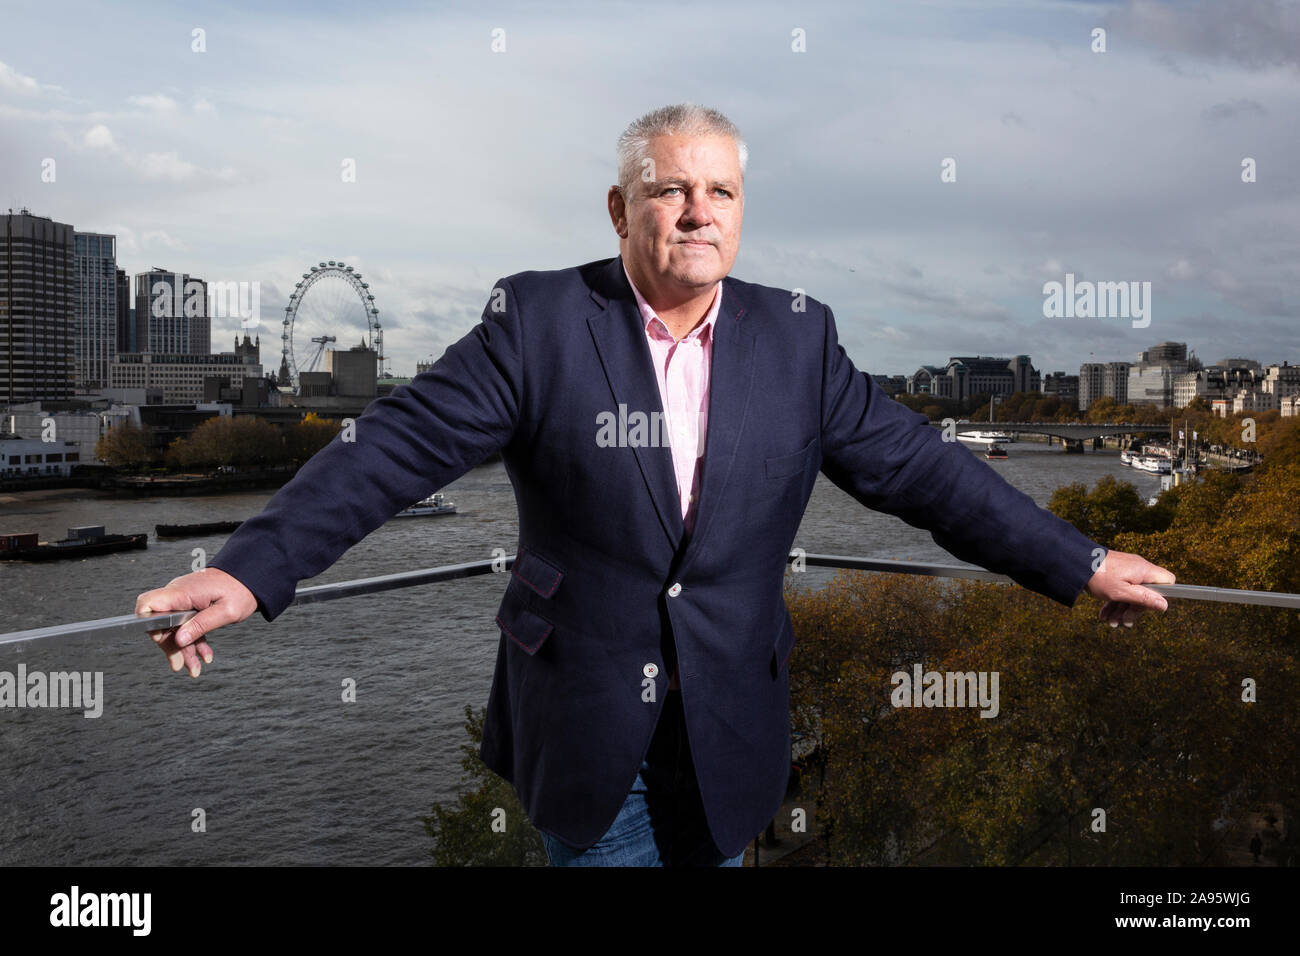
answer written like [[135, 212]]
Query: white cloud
[[100, 137], [167, 165], [13, 81], [157, 102], [159, 238]]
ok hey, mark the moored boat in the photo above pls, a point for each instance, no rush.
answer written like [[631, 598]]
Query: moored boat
[[84, 541]]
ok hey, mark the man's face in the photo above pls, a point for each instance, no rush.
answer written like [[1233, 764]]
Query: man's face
[[680, 231]]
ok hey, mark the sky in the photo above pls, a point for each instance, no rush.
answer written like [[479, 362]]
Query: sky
[[472, 164]]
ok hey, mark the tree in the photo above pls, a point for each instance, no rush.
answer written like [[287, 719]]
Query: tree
[[126, 445], [464, 834], [1110, 508], [308, 436], [1149, 725]]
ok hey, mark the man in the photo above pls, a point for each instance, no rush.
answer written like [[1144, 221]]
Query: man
[[640, 705]]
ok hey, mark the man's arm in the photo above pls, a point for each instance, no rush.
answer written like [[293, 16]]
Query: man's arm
[[406, 445], [892, 460]]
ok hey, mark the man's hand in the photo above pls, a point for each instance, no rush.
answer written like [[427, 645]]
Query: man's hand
[[219, 598], [1118, 582]]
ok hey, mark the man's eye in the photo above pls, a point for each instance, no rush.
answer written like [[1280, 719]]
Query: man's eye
[[671, 189]]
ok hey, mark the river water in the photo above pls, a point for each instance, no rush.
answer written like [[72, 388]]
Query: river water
[[281, 770]]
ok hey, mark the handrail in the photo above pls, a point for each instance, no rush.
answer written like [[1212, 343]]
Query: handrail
[[131, 625]]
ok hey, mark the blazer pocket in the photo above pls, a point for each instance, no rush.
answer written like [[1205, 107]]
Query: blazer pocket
[[794, 464], [516, 617], [520, 623], [536, 572]]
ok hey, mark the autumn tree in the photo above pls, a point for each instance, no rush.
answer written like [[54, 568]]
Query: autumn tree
[[305, 438], [1111, 746], [486, 826], [127, 445]]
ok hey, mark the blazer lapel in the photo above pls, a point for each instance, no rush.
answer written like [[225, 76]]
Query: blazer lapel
[[619, 335], [730, 379]]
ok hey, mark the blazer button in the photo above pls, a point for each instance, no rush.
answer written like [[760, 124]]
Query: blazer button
[[650, 670], [675, 590]]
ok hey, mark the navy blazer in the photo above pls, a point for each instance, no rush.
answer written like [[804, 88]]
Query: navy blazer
[[606, 594]]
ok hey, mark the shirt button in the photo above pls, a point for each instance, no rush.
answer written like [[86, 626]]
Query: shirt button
[[675, 590], [650, 670]]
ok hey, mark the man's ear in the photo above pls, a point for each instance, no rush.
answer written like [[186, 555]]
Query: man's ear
[[617, 210]]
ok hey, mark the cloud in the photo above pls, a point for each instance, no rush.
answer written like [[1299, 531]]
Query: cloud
[[1255, 34], [1233, 108], [159, 238], [99, 137], [156, 102], [167, 165], [14, 82]]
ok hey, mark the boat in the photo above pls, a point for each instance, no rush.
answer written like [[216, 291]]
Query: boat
[[986, 438], [995, 452], [186, 530], [435, 504], [81, 542], [1126, 457], [1153, 464]]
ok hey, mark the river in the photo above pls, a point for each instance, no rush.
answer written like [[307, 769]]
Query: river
[[262, 747]]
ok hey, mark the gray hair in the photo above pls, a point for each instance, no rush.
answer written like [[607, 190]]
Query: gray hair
[[683, 119]]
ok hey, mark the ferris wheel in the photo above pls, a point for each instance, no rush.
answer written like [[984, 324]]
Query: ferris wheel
[[330, 301]]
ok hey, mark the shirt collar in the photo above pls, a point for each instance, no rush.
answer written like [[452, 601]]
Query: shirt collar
[[648, 314]]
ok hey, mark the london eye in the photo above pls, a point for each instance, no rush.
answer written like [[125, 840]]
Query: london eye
[[331, 303]]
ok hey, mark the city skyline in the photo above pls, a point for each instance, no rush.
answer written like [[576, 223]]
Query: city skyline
[[1116, 166]]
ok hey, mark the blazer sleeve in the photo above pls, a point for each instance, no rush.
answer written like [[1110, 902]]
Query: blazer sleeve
[[405, 446], [892, 459]]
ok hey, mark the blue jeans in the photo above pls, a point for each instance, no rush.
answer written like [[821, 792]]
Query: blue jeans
[[662, 820]]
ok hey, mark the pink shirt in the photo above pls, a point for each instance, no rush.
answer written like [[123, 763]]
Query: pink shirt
[[682, 370]]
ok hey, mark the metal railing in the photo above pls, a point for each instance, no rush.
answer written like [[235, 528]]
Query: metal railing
[[132, 625]]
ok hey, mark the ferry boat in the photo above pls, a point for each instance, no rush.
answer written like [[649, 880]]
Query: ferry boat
[[435, 504], [995, 452], [83, 541], [1126, 457], [1153, 464]]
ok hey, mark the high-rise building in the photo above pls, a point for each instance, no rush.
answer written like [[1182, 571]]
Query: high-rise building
[[1065, 387], [95, 332], [1103, 379], [37, 308], [171, 313], [125, 330], [1151, 378]]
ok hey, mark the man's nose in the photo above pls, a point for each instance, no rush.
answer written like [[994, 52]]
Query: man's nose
[[697, 211]]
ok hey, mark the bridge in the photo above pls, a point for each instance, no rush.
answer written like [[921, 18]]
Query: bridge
[[1071, 434]]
